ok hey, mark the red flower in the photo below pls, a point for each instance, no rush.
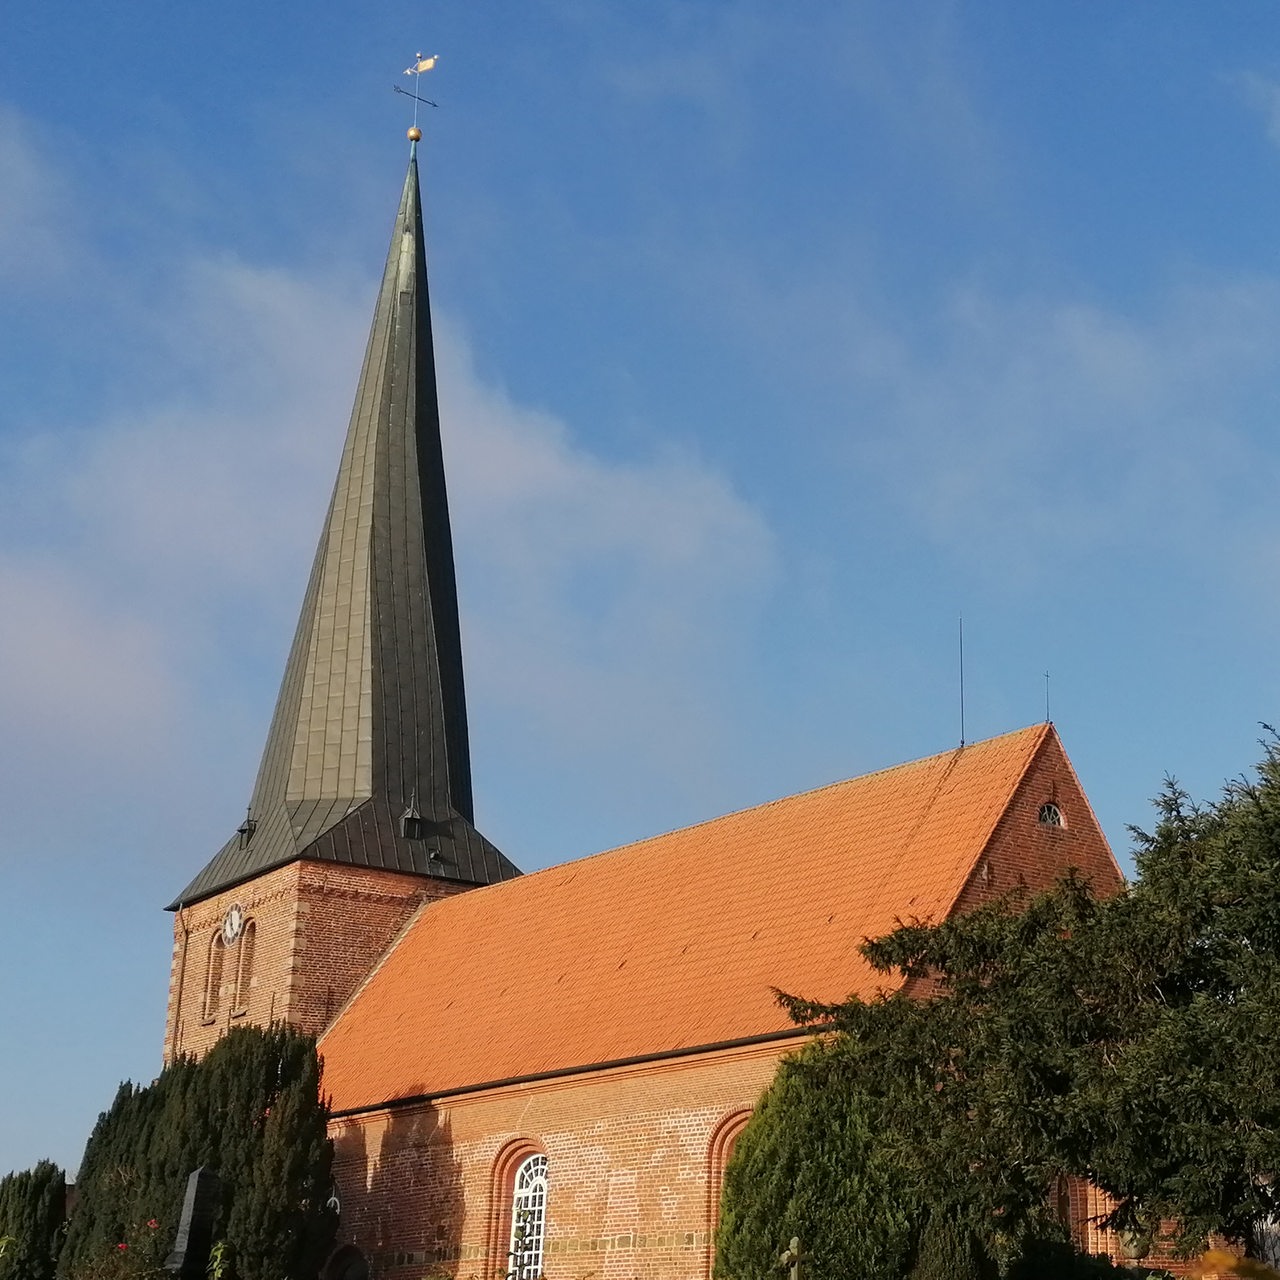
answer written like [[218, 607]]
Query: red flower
[[152, 1223], [122, 1246]]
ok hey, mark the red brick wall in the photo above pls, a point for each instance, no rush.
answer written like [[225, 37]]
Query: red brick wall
[[636, 1161], [319, 929], [634, 1154], [1083, 1207]]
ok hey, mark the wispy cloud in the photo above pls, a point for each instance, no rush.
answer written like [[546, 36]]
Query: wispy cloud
[[1046, 428], [1018, 429], [30, 196], [1262, 93], [152, 558], [604, 596]]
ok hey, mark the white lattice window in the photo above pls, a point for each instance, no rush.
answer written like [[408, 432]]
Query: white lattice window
[[1051, 815], [528, 1219]]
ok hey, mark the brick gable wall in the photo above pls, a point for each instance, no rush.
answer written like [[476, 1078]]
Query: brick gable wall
[[1024, 853]]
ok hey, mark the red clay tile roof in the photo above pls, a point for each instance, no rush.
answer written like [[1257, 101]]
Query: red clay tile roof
[[673, 942]]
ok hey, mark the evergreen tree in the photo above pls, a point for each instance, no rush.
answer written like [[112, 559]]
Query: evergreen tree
[[252, 1111], [1134, 1042], [1059, 1260], [949, 1252], [809, 1164], [32, 1218]]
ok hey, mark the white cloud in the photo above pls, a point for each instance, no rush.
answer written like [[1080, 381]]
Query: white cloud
[[1049, 427], [221, 488], [80, 677], [161, 551], [33, 205], [605, 597], [1263, 94], [1024, 430]]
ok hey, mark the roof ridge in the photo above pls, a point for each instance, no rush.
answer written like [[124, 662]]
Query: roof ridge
[[787, 799], [573, 863], [682, 939]]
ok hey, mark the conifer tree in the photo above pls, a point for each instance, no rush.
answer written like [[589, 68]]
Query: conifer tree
[[948, 1251], [809, 1164], [32, 1218], [1134, 1042], [252, 1111]]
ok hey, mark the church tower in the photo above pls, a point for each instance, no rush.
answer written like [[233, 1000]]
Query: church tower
[[362, 808]]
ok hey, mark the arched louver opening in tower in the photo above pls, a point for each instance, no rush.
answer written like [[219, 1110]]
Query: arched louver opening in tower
[[213, 977], [244, 965]]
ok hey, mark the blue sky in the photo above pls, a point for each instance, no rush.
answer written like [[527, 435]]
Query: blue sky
[[770, 342]]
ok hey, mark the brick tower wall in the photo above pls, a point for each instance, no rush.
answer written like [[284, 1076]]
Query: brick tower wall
[[313, 932]]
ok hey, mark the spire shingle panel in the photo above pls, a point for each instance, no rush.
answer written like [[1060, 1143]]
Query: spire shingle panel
[[371, 714]]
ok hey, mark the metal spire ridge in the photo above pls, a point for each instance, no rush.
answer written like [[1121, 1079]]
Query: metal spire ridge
[[367, 760]]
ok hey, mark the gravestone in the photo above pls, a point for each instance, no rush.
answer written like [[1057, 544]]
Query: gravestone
[[190, 1257]]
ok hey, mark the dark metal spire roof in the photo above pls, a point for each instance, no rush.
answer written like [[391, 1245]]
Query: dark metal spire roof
[[371, 719]]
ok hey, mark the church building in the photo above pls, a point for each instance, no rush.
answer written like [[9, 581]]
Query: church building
[[542, 1074]]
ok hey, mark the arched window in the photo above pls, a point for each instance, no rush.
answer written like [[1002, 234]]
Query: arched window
[[1051, 815], [346, 1263], [213, 977], [719, 1152], [528, 1218], [244, 965]]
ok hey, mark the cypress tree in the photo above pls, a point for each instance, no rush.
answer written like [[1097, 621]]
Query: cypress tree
[[252, 1111], [32, 1217], [948, 1251], [810, 1164]]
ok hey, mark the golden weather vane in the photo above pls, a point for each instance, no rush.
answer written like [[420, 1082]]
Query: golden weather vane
[[420, 64]]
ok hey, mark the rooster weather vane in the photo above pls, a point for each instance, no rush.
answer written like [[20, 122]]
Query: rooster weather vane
[[420, 64]]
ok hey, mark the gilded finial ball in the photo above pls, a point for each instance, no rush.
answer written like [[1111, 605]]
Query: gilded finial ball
[[415, 134]]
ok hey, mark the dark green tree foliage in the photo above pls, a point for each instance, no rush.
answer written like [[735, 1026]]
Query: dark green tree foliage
[[1133, 1041], [809, 1165], [1058, 1260], [971, 1085], [948, 1251], [253, 1112], [32, 1216]]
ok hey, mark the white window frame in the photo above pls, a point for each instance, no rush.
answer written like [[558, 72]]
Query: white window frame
[[1051, 815], [528, 1218]]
